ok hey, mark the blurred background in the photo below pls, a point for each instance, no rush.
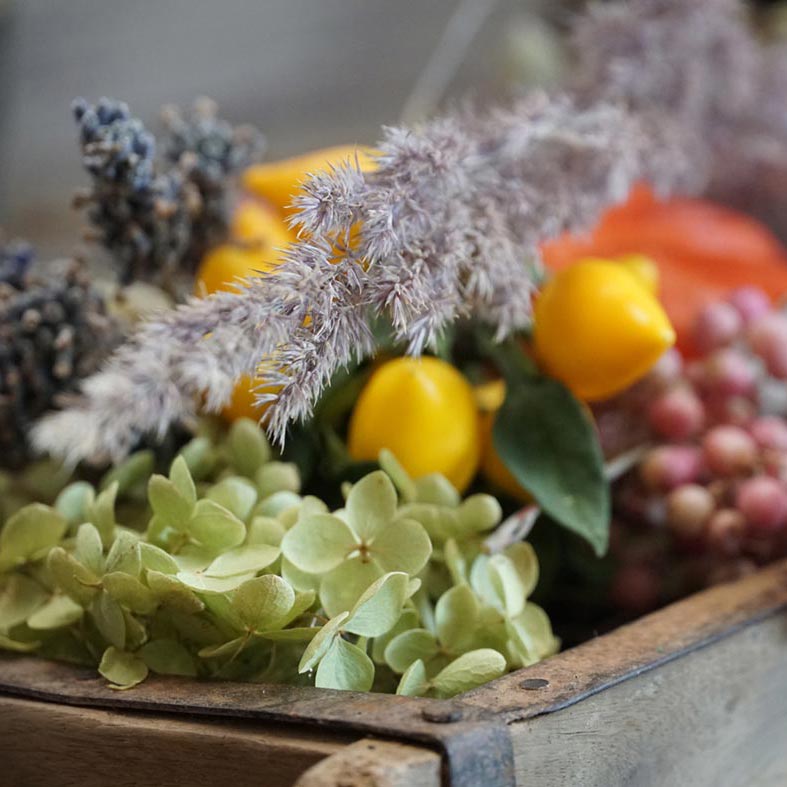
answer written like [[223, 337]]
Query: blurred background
[[308, 73]]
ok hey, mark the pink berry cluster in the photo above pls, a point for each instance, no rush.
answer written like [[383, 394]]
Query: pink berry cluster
[[712, 488]]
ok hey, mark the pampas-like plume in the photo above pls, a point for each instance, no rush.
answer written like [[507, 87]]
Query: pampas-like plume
[[448, 226]]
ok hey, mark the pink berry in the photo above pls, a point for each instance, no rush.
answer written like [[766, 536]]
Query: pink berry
[[769, 431], [729, 372], [735, 410], [751, 303], [688, 508], [725, 531], [668, 466], [774, 463], [763, 502], [766, 331], [729, 450], [667, 369], [677, 414], [716, 325]]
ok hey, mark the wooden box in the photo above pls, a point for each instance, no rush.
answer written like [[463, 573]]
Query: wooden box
[[694, 694]]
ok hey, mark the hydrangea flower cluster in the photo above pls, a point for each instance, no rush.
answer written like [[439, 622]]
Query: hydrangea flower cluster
[[222, 569]]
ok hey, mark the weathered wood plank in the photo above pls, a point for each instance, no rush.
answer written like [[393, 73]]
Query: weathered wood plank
[[374, 763], [696, 622], [49, 745], [717, 716]]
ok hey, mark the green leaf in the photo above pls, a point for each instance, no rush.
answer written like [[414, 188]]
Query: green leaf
[[346, 667], [318, 543], [71, 576], [157, 559], [402, 481], [532, 633], [236, 494], [410, 646], [371, 505], [319, 645], [299, 634], [200, 456], [456, 618], [124, 554], [265, 530], [75, 501], [380, 606], [469, 671], [276, 477], [215, 526], [508, 585], [261, 602], [437, 489], [102, 513], [173, 593], [122, 670], [248, 447], [168, 503], [402, 546], [60, 611], [20, 597], [136, 470], [408, 620], [180, 475], [89, 548], [242, 560], [231, 648], [524, 558], [168, 657], [549, 444], [341, 588], [414, 682], [479, 513], [109, 620], [277, 503], [6, 643], [196, 580], [130, 592], [300, 580], [29, 534]]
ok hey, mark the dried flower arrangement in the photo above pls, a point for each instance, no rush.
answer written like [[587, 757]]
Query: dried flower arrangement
[[435, 241]]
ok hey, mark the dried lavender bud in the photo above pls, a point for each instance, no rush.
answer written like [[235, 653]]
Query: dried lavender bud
[[53, 332], [156, 217], [208, 150], [15, 259]]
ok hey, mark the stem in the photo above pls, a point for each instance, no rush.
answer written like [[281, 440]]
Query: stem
[[446, 59]]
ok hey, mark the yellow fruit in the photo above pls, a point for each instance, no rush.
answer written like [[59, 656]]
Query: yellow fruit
[[241, 405], [423, 411], [598, 329], [259, 235], [646, 271], [278, 182], [489, 398]]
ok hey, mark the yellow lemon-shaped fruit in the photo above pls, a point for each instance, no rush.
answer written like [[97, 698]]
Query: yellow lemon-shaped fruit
[[598, 329], [643, 267], [259, 234], [423, 410], [278, 182], [241, 405], [489, 398]]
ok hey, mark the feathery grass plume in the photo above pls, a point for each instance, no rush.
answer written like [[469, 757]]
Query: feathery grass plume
[[157, 216], [724, 89], [449, 225]]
